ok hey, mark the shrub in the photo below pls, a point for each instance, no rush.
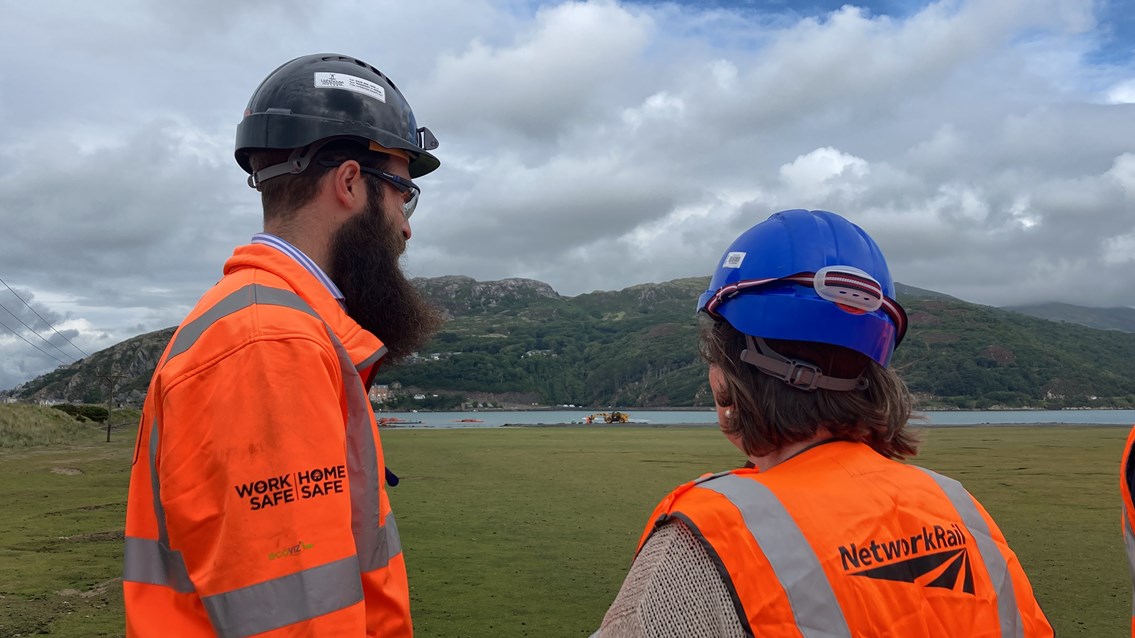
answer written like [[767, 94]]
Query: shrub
[[83, 413]]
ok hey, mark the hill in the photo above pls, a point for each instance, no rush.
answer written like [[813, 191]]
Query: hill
[[903, 291], [518, 338], [1121, 318], [635, 347], [24, 426], [33, 425], [128, 365], [971, 356]]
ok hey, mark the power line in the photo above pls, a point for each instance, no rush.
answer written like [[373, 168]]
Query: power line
[[85, 354], [32, 344], [41, 337]]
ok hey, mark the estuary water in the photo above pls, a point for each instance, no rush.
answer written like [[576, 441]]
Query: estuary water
[[494, 418]]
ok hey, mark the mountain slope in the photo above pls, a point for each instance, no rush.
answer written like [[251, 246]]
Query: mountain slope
[[128, 366], [967, 355], [637, 347], [1120, 318]]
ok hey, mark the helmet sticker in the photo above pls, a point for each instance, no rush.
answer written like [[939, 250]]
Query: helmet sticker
[[350, 83], [733, 260]]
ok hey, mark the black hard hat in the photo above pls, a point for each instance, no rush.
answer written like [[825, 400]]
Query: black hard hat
[[316, 98]]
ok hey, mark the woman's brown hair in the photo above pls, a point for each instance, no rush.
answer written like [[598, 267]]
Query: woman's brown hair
[[768, 414]]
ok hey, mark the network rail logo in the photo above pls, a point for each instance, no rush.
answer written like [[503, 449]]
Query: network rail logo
[[936, 557]]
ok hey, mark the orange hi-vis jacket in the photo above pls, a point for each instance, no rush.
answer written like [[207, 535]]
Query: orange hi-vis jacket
[[257, 501], [1126, 483], [840, 541]]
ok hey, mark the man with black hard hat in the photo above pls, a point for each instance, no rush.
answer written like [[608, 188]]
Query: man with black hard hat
[[258, 500]]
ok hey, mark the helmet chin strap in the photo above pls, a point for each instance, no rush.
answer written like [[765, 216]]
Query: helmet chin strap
[[796, 373], [297, 163]]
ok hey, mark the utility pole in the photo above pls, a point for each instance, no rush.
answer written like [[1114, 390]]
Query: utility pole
[[111, 380]]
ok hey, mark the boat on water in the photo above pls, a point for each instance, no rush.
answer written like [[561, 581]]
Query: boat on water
[[385, 421], [469, 421], [609, 417]]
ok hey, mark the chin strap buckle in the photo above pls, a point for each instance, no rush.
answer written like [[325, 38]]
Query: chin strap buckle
[[803, 375], [796, 373]]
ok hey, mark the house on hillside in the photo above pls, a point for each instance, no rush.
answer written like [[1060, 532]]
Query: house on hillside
[[379, 393]]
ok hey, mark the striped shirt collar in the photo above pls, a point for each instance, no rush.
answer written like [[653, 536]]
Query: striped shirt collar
[[295, 253]]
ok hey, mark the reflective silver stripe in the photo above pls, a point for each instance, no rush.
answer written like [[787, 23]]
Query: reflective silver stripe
[[155, 484], [372, 359], [285, 600], [995, 564], [372, 540], [152, 561], [796, 566], [148, 561], [1129, 541], [393, 541], [235, 301]]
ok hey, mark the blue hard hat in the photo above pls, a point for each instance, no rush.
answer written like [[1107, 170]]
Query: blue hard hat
[[807, 275]]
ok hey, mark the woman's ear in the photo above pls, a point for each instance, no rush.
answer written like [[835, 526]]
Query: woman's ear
[[719, 386]]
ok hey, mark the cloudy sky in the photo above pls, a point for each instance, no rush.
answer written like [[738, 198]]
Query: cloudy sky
[[988, 145]]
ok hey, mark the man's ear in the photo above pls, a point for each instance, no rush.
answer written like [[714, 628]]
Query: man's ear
[[346, 185]]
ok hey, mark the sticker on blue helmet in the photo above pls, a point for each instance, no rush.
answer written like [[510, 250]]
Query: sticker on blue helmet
[[733, 260]]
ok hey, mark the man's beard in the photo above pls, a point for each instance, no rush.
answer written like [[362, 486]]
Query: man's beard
[[364, 265]]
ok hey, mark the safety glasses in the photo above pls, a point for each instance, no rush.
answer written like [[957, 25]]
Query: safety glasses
[[409, 190]]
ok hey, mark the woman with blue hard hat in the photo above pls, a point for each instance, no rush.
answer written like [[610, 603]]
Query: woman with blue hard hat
[[824, 532]]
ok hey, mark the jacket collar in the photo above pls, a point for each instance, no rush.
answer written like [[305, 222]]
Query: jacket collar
[[364, 348]]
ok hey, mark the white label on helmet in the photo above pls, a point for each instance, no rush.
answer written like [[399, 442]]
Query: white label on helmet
[[733, 260], [350, 83]]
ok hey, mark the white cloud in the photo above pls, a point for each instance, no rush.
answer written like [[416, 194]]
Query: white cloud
[[593, 145], [1122, 172], [824, 171], [555, 72], [1122, 93], [1120, 250], [658, 107]]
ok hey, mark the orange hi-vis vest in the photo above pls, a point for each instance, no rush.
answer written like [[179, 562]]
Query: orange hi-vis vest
[[257, 501], [840, 541], [1126, 483]]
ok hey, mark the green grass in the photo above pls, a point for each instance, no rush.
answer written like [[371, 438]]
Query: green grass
[[529, 531], [23, 426], [29, 426], [61, 539], [1054, 491]]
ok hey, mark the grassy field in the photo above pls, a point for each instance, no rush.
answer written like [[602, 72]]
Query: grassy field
[[529, 531]]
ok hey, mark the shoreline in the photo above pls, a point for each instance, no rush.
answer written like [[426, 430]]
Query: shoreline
[[710, 409], [914, 425]]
